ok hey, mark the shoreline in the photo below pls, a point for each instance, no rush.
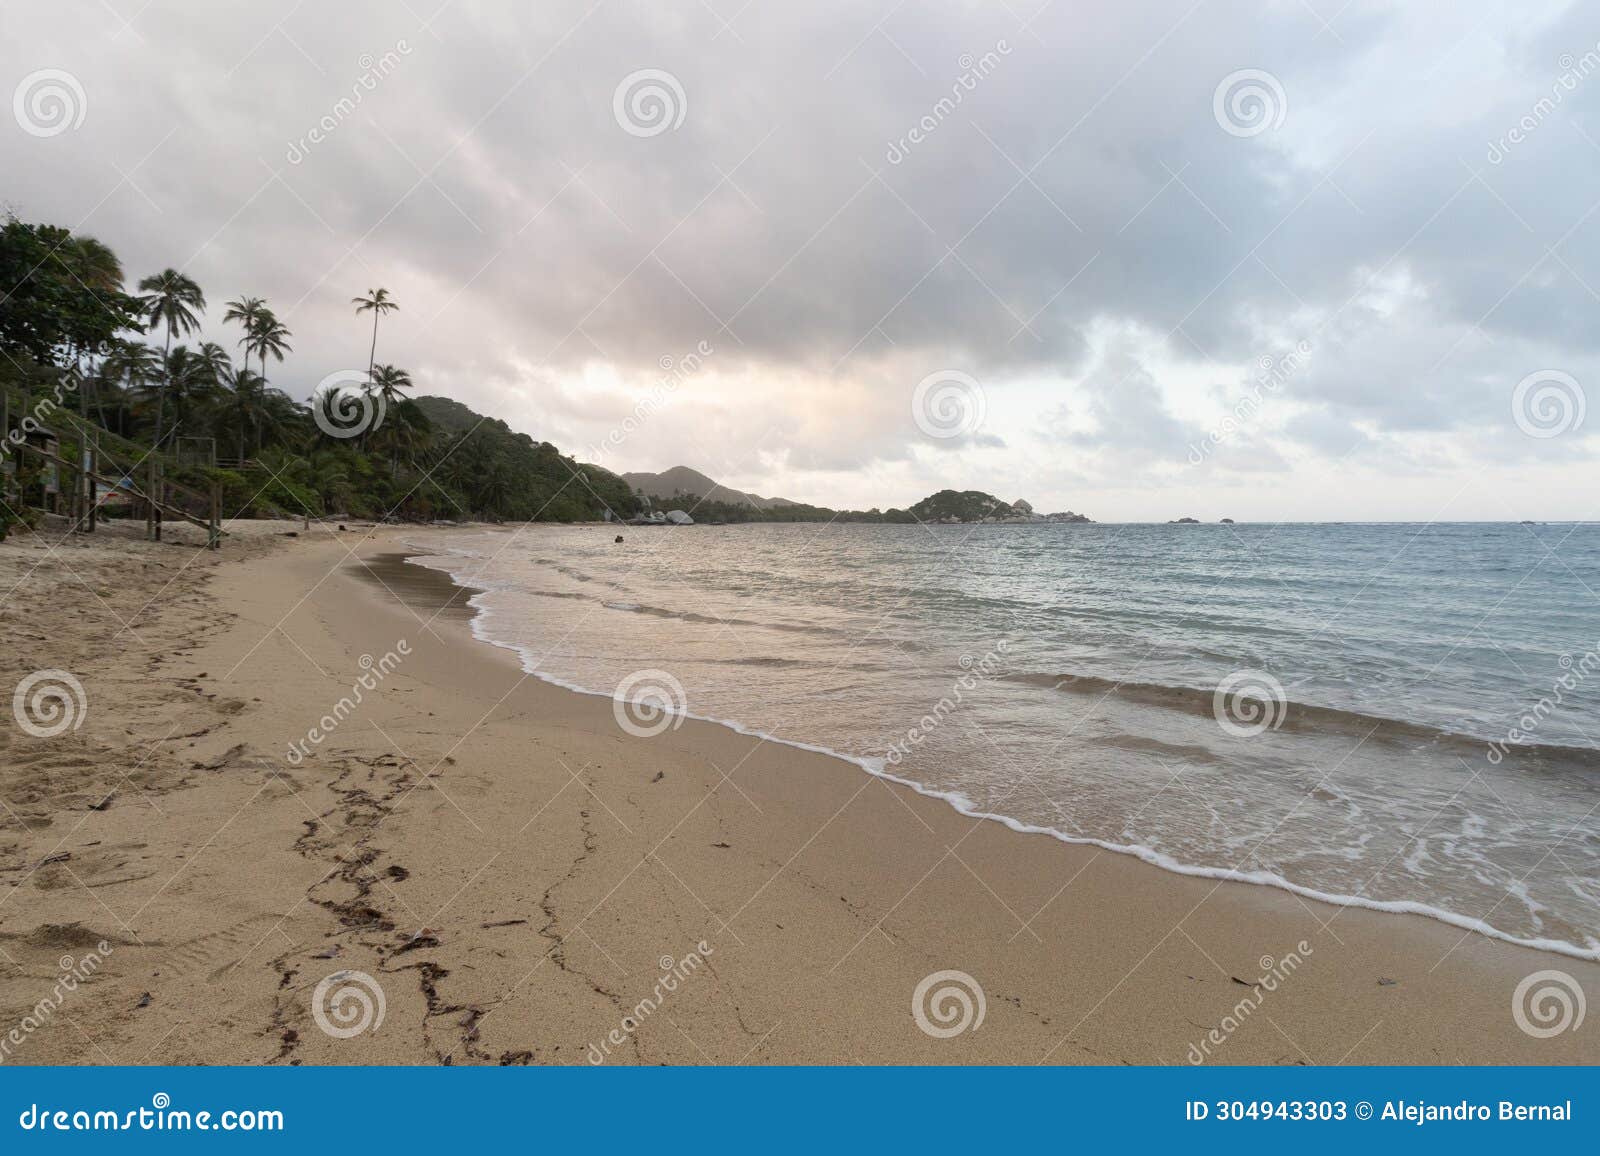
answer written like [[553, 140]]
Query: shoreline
[[461, 592], [513, 871], [1448, 921]]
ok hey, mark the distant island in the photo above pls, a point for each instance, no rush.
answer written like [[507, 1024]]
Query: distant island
[[683, 491], [976, 506]]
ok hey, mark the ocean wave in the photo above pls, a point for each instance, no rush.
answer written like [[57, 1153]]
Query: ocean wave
[[1307, 718], [677, 615]]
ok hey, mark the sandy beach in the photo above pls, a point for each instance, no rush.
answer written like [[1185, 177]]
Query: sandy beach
[[518, 880]]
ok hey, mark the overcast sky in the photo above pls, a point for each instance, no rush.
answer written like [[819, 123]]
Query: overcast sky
[[1311, 260]]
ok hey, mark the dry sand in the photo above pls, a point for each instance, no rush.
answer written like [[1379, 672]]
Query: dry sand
[[514, 872]]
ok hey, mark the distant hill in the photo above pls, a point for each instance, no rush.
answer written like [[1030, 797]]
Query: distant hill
[[977, 506], [709, 502], [960, 506], [681, 481], [538, 480]]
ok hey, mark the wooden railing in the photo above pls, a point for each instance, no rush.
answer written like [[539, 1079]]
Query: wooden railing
[[159, 495]]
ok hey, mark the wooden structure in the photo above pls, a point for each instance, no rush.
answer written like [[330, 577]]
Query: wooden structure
[[72, 488]]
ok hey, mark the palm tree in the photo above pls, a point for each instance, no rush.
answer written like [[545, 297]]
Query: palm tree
[[132, 362], [389, 381], [406, 432], [247, 312], [212, 364], [377, 303], [107, 384], [95, 267], [282, 418], [210, 371], [327, 475], [93, 264], [243, 409], [492, 487], [269, 336], [135, 365], [451, 464], [196, 378], [171, 300]]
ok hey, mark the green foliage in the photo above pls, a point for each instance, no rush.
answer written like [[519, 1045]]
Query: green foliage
[[737, 512], [63, 294], [511, 476], [960, 505], [69, 321]]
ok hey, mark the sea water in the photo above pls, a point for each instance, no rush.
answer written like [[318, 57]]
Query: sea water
[[1403, 716]]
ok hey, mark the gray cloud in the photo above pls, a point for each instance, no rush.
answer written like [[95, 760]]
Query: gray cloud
[[547, 259]]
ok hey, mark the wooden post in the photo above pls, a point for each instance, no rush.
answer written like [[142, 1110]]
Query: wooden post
[[80, 478], [88, 480], [71, 487], [150, 499], [214, 538]]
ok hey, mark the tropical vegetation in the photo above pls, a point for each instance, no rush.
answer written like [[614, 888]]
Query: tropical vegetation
[[137, 374]]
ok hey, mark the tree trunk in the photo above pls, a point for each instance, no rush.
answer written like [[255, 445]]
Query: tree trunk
[[161, 394]]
